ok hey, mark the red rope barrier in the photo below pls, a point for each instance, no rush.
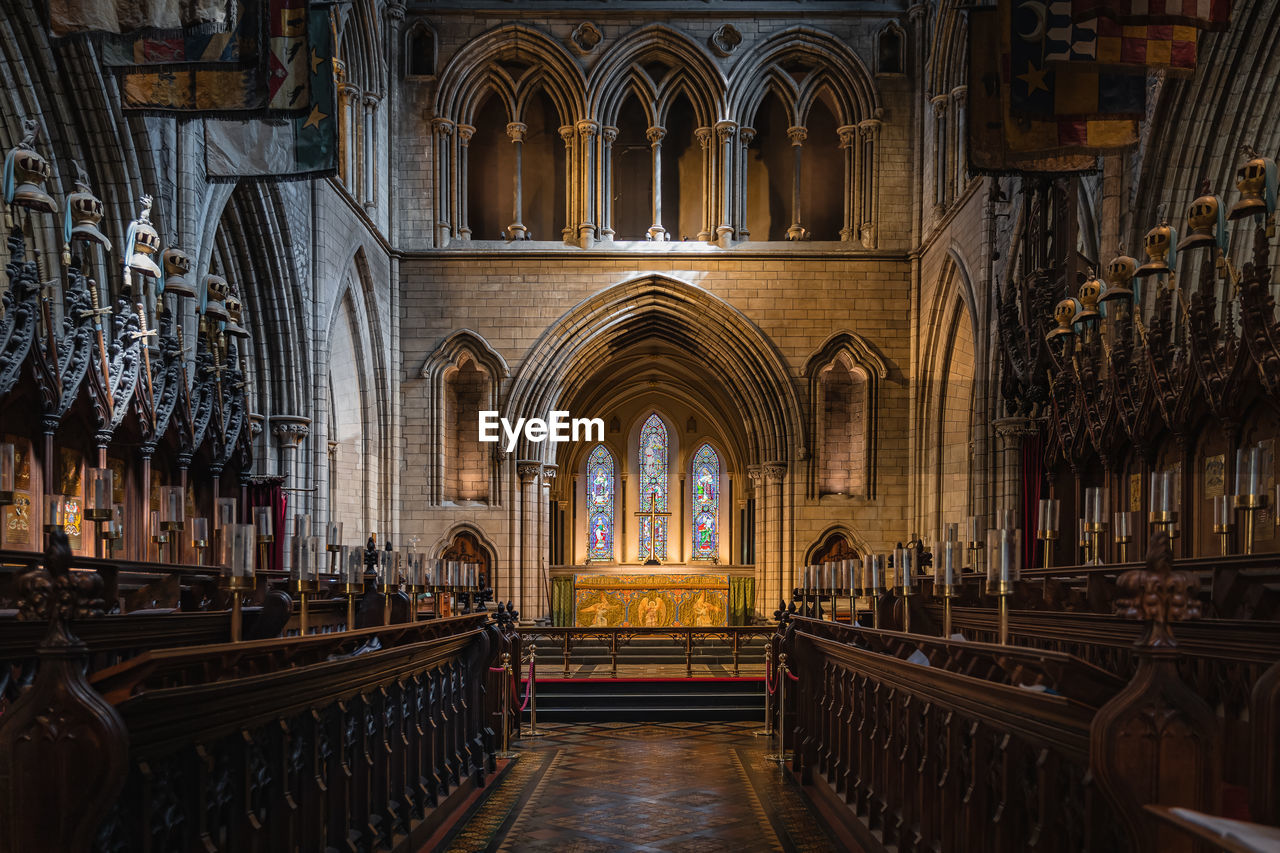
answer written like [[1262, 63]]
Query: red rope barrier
[[768, 677], [528, 690], [793, 677]]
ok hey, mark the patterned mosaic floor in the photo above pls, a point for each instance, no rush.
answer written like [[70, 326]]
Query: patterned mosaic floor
[[644, 788]]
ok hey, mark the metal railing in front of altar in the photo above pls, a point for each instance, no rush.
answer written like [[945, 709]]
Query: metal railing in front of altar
[[729, 637]]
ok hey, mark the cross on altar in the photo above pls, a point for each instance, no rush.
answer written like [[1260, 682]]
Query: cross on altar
[[653, 515]]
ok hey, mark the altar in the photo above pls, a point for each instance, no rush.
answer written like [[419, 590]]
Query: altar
[[651, 600]]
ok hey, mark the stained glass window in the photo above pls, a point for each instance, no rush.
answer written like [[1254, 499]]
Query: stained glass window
[[706, 503], [653, 488], [600, 492]]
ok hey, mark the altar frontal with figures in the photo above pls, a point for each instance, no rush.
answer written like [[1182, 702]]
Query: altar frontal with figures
[[651, 601]]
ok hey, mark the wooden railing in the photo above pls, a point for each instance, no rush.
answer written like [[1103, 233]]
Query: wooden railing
[[364, 740], [692, 640]]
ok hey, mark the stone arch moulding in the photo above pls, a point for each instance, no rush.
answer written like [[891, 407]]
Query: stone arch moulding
[[442, 544], [856, 542], [460, 346], [862, 355], [654, 305]]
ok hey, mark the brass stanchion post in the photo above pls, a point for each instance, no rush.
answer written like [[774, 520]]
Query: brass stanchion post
[[768, 717], [781, 756], [533, 692]]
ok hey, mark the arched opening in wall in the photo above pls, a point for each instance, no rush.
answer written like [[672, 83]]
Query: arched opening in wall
[[348, 475], [822, 178], [889, 52], [465, 547], [632, 173], [490, 173], [842, 444], [681, 170], [955, 427], [543, 175], [466, 461], [770, 172], [421, 52]]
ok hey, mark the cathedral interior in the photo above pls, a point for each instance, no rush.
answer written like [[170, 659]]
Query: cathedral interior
[[653, 425]]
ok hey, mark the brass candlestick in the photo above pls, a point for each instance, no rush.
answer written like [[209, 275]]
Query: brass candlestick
[[1094, 531], [350, 590], [237, 585], [949, 593], [1004, 591], [1047, 537], [1251, 504], [1122, 542], [387, 589], [302, 589], [1223, 532]]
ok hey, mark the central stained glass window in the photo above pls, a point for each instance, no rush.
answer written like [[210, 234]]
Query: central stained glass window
[[653, 488], [600, 495]]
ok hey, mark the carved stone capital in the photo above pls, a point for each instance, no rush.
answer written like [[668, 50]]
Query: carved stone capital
[[960, 95], [725, 130], [465, 132], [655, 134], [745, 135], [917, 12], [775, 471], [869, 128], [703, 135], [372, 99], [1013, 430], [848, 135], [442, 126], [516, 131], [290, 430], [394, 10], [588, 128], [256, 422], [797, 135], [567, 133], [755, 472], [609, 134], [527, 470], [939, 104], [549, 471]]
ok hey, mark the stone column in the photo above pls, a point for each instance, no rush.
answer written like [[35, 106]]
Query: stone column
[[371, 102], [543, 597], [849, 145], [654, 134], [526, 578], [587, 132], [869, 132], [779, 582], [568, 134], [704, 135], [443, 128], [725, 131], [516, 230], [609, 135], [465, 132], [766, 597], [797, 135], [290, 431], [351, 112], [745, 135], [940, 172], [959, 97], [1011, 432]]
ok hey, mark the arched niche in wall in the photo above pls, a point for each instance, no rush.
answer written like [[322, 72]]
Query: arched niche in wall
[[419, 51], [632, 172], [823, 212], [891, 50], [832, 546], [846, 371], [491, 172], [770, 171], [464, 376]]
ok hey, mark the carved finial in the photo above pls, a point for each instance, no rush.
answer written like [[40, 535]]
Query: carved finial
[[145, 215], [1158, 594]]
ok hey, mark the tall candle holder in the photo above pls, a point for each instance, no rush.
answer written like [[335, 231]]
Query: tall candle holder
[[873, 583], [1253, 469], [199, 537], [333, 547], [54, 513], [849, 568], [1223, 511], [302, 569], [238, 576], [387, 582], [352, 563], [904, 567], [113, 530], [946, 562], [1048, 528], [1164, 501], [1083, 539], [1095, 514], [1122, 527], [8, 473], [224, 515], [415, 580], [1004, 568], [100, 482], [172, 518]]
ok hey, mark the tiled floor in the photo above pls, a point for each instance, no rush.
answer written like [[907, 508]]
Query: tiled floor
[[649, 787]]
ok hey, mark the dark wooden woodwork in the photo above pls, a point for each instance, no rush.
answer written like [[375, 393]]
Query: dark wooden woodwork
[[1264, 782]]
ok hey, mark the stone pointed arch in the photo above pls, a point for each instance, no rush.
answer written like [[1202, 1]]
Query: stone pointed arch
[[468, 352], [854, 354], [854, 540], [700, 78], [745, 359]]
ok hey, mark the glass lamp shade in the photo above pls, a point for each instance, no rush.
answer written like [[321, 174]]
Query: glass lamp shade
[[873, 573], [355, 565], [263, 524], [315, 548], [199, 532], [1004, 559], [239, 547], [1223, 513], [1123, 524], [333, 535], [114, 529], [224, 513], [973, 531], [171, 508], [158, 534], [54, 510], [302, 526], [1048, 519], [101, 485]]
